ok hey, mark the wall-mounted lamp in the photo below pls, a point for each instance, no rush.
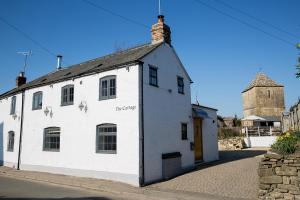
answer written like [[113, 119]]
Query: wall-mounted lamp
[[14, 116], [48, 110], [83, 105]]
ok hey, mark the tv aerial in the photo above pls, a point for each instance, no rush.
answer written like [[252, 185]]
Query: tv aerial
[[25, 54]]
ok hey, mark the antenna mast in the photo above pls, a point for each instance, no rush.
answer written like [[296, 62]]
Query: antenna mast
[[25, 54], [159, 7]]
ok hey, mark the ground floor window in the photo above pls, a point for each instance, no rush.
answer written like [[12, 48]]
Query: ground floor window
[[51, 139], [183, 131], [106, 138], [11, 141]]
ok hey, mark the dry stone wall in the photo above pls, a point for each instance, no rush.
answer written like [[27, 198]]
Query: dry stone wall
[[279, 177], [236, 143]]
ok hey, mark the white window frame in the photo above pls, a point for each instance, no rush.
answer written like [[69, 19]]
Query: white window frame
[[11, 141], [37, 100], [153, 78], [110, 91], [13, 105], [67, 97], [103, 145], [51, 132]]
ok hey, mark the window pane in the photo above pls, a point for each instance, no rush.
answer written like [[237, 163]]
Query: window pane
[[37, 100], [106, 138], [152, 76], [52, 139], [13, 105], [71, 95], [104, 88], [65, 95], [11, 141], [112, 84], [180, 85]]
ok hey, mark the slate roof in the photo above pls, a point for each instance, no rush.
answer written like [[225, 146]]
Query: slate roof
[[261, 80], [105, 63]]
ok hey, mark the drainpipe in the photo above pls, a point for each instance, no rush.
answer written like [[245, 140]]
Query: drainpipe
[[21, 129], [141, 102]]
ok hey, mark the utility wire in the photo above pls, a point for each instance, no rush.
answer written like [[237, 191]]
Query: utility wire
[[257, 19], [28, 37], [116, 14], [245, 23]]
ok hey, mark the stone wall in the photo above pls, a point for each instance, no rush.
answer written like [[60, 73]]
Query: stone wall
[[257, 102], [236, 143], [279, 177]]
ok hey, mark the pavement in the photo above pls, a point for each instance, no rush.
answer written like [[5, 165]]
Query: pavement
[[233, 177], [24, 189]]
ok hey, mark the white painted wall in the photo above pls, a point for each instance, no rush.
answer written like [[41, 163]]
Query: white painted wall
[[262, 141], [164, 112], [210, 136], [77, 154], [9, 123]]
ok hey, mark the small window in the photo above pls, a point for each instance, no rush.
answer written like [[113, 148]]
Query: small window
[[106, 138], [107, 87], [184, 131], [180, 85], [37, 101], [51, 139], [11, 141], [153, 76], [269, 94], [67, 95], [13, 105]]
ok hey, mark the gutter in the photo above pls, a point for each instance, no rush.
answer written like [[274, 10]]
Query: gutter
[[21, 129], [141, 140]]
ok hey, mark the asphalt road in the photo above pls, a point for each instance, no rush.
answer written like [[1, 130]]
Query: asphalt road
[[23, 189]]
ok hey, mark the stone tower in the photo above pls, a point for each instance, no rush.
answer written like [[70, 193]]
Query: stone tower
[[263, 97]]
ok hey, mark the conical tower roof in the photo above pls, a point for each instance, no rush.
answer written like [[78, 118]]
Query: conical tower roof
[[261, 80]]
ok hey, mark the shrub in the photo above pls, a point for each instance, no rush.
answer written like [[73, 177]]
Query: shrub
[[286, 143], [224, 133]]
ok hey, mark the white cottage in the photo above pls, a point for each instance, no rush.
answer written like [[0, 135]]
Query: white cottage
[[125, 117]]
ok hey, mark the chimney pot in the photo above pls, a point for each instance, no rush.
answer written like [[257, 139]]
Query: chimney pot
[[161, 18], [59, 58], [21, 79]]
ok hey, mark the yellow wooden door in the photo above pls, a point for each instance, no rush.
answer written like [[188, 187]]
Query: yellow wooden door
[[198, 139]]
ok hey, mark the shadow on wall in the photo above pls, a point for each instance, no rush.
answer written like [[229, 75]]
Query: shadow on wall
[[1, 144]]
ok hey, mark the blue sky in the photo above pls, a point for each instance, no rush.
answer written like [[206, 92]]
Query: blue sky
[[221, 54]]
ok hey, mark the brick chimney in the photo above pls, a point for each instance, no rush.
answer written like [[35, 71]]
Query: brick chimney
[[161, 32], [21, 79]]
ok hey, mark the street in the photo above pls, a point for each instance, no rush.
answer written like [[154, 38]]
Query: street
[[23, 189]]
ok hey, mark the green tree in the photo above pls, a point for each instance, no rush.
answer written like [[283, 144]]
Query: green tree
[[298, 65]]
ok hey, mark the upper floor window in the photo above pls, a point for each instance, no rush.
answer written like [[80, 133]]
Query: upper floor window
[[184, 131], [37, 101], [106, 138], [180, 85], [51, 139], [67, 95], [13, 105], [107, 87], [269, 94], [11, 141], [153, 76]]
